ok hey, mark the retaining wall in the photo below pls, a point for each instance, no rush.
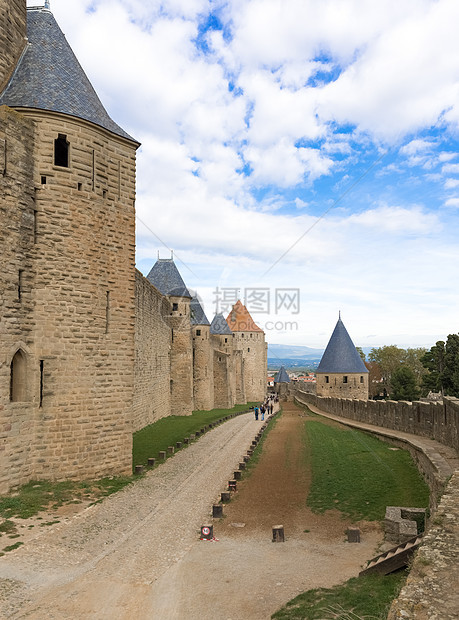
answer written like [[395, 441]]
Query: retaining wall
[[439, 421]]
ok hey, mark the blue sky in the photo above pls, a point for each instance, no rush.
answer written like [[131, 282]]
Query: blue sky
[[323, 133]]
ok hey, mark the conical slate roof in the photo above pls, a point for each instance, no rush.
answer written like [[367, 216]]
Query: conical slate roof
[[219, 326], [49, 76], [239, 319], [198, 316], [282, 376], [341, 354], [165, 276]]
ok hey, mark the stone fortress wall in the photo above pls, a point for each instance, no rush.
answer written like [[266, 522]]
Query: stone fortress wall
[[435, 420]]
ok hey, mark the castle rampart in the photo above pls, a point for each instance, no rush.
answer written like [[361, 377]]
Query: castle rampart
[[152, 394], [439, 421], [12, 36]]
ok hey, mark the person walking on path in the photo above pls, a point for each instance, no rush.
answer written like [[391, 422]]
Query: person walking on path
[[256, 413]]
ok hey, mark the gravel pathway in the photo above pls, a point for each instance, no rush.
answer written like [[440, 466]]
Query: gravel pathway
[[103, 562]]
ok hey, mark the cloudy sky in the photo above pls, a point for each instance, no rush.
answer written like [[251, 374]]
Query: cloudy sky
[[303, 153]]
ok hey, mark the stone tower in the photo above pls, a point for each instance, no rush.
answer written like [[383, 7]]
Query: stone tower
[[249, 339], [224, 371], [203, 359], [341, 372], [281, 382], [165, 276], [67, 227]]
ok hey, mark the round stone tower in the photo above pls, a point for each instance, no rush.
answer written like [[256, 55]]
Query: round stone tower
[[341, 372]]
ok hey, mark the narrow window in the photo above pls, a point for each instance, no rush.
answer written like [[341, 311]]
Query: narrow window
[[43, 180], [198, 332], [248, 350], [93, 169], [104, 193], [361, 379], [2, 156], [61, 151], [107, 311], [175, 307], [172, 335], [80, 186], [226, 340], [327, 379], [20, 279], [35, 225], [18, 377], [171, 385], [345, 379], [42, 382]]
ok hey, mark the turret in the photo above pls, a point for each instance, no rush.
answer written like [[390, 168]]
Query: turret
[[341, 372]]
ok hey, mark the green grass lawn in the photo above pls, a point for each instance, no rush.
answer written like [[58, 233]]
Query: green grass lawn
[[360, 474], [364, 597], [149, 441]]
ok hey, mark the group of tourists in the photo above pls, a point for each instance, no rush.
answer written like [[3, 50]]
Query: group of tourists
[[265, 408]]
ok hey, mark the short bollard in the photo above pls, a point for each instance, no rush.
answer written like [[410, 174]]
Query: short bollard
[[238, 474], [139, 469], [225, 496], [217, 511], [192, 437], [186, 440], [232, 485], [197, 434], [151, 462], [242, 465], [278, 533], [249, 453], [246, 458], [170, 449], [207, 532], [162, 455], [178, 445], [353, 534]]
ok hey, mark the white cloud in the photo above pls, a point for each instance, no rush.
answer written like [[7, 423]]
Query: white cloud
[[452, 202]]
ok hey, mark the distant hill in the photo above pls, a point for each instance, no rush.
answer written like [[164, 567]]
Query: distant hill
[[291, 352]]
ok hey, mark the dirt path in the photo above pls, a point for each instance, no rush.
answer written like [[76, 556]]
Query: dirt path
[[137, 554]]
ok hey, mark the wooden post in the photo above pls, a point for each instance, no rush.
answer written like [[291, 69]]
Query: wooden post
[[238, 474], [207, 532], [353, 535], [232, 484], [225, 496], [162, 455], [242, 465], [151, 462], [186, 440], [246, 458], [170, 449], [278, 533], [139, 469], [217, 511], [178, 445]]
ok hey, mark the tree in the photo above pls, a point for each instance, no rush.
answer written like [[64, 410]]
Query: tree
[[442, 362], [361, 353], [388, 358], [404, 384]]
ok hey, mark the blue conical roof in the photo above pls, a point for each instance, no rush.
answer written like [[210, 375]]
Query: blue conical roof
[[341, 355], [198, 316], [282, 376], [219, 326], [49, 77], [165, 276]]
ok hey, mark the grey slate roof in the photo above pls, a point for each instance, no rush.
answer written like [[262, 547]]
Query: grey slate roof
[[341, 354], [49, 76], [282, 376], [220, 326], [198, 316], [165, 276]]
